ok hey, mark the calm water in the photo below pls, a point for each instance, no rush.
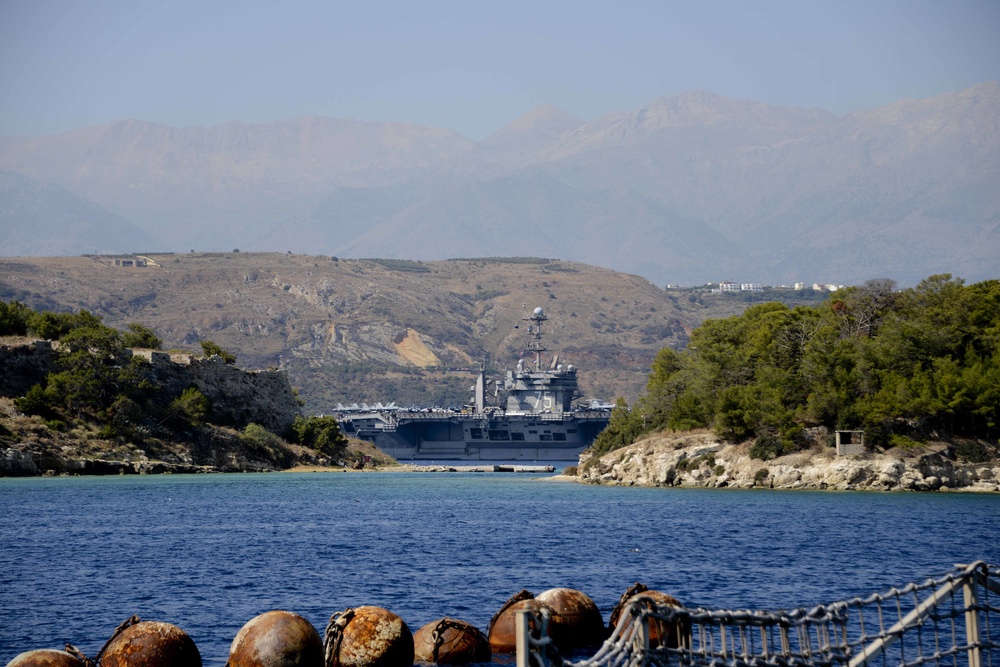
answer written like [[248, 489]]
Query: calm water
[[207, 553]]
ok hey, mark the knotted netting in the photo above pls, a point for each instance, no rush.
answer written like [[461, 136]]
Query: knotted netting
[[953, 620]]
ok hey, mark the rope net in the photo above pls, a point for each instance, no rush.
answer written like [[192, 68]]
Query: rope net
[[951, 621]]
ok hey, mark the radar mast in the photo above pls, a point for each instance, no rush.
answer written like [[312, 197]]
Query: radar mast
[[535, 332]]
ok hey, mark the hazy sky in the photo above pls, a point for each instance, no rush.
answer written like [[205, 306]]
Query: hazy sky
[[469, 65]]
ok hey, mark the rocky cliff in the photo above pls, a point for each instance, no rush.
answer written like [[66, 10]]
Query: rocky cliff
[[702, 459], [32, 449], [34, 445], [237, 396], [23, 364]]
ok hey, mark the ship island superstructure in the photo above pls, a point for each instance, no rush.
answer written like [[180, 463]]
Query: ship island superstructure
[[537, 422]]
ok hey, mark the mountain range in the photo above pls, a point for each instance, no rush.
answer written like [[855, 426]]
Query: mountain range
[[688, 189]]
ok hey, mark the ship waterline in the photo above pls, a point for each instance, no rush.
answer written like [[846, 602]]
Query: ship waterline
[[499, 437]]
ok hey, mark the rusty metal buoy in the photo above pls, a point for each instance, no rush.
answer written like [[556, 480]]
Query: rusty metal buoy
[[368, 637], [660, 632], [502, 631], [46, 658], [151, 644], [576, 620], [276, 639], [448, 641]]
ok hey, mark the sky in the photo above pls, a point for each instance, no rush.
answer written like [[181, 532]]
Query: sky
[[468, 65]]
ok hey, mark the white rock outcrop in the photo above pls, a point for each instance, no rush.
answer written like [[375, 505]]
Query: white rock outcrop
[[702, 459]]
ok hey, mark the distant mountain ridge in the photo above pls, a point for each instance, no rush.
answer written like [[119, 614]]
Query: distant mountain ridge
[[27, 205], [535, 129], [690, 188]]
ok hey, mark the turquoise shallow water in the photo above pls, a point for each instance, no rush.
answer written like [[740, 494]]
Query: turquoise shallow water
[[207, 553]]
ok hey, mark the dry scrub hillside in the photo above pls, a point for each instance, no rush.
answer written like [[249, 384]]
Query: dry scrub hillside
[[369, 330]]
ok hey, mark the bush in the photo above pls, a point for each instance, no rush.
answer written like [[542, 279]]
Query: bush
[[53, 326], [570, 471], [35, 402], [13, 318], [903, 442], [320, 433], [622, 430], [191, 406], [765, 448], [402, 265], [974, 451], [258, 439], [141, 337], [878, 436], [125, 417], [212, 349], [56, 424], [760, 476]]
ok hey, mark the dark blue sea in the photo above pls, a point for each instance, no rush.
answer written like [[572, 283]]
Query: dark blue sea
[[207, 553]]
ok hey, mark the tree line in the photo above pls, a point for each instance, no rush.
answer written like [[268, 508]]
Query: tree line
[[903, 365]]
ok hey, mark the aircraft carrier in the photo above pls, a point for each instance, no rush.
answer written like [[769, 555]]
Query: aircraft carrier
[[537, 422]]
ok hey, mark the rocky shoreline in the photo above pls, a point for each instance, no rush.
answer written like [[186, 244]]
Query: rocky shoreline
[[18, 463], [698, 459], [703, 460]]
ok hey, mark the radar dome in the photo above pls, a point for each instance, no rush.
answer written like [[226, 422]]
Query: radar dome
[[539, 312]]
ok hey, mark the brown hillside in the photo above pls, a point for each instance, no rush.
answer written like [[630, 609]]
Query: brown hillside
[[371, 330]]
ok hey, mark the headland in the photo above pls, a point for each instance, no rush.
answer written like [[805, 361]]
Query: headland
[[702, 459]]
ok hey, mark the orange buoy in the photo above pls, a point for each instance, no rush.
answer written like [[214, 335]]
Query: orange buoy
[[502, 631], [576, 620], [660, 632], [46, 658], [448, 641], [276, 639], [151, 644], [368, 637]]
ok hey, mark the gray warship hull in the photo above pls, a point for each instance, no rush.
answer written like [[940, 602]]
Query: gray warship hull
[[537, 424], [463, 437]]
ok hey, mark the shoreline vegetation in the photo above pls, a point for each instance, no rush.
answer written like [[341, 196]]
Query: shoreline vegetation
[[753, 401], [80, 397], [916, 371]]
